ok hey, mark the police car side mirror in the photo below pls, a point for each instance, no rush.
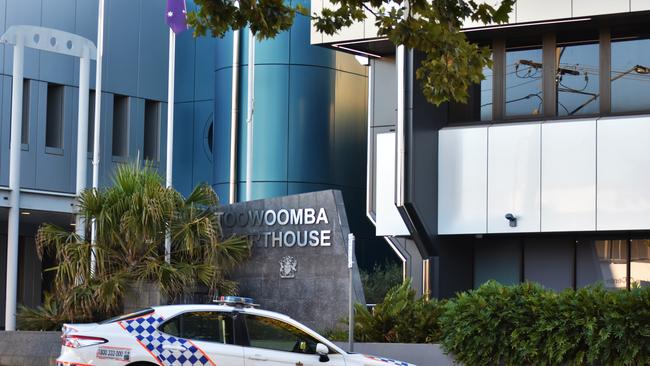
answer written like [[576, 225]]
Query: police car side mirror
[[323, 351]]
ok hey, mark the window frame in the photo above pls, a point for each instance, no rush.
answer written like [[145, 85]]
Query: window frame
[[232, 315]]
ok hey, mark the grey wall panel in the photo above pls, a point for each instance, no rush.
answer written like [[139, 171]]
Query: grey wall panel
[[388, 221], [639, 5], [514, 177], [53, 166], [54, 67], [549, 262], [497, 259], [3, 273], [183, 151], [162, 166], [106, 165], [384, 97], [121, 45], [152, 51], [202, 156], [535, 10], [28, 153], [350, 119], [568, 187], [597, 7], [3, 9], [623, 174], [204, 68], [26, 12], [5, 127], [185, 68], [311, 124]]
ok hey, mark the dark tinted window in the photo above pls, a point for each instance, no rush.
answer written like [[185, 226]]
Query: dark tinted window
[[209, 326], [54, 121], [279, 336], [524, 82], [577, 79], [630, 76]]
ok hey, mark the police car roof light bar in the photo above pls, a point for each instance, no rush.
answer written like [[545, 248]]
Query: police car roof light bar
[[236, 301]]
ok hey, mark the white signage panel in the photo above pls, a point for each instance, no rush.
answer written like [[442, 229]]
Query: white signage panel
[[389, 221], [569, 176], [462, 180], [514, 178]]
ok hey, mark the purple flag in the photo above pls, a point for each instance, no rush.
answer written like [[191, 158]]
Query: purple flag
[[176, 15]]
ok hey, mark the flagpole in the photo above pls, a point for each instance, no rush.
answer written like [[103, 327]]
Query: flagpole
[[170, 128], [96, 126], [249, 119]]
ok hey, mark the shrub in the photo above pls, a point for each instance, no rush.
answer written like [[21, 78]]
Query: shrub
[[379, 280]]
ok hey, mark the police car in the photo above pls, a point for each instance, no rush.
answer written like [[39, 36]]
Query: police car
[[231, 332]]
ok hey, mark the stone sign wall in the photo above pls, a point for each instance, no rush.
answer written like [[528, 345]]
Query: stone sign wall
[[299, 261]]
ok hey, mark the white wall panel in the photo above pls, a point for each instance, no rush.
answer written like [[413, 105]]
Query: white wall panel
[[639, 5], [535, 10], [389, 221], [623, 192], [462, 180], [514, 177], [597, 7], [569, 176]]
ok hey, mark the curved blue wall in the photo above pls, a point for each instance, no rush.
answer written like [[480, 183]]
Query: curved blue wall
[[310, 122]]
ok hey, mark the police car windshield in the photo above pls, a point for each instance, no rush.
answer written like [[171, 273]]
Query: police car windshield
[[134, 314]]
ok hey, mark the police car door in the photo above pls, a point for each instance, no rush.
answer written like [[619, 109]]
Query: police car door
[[272, 342], [208, 340]]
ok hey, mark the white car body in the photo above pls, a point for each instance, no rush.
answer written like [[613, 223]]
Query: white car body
[[247, 339]]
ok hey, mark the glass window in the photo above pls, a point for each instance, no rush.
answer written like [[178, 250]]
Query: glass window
[[209, 326], [24, 139], [151, 130], [611, 263], [640, 262], [277, 335], [54, 121], [120, 125], [524, 82], [479, 102], [91, 121], [630, 75], [577, 79]]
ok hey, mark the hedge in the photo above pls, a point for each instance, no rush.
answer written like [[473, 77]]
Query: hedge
[[524, 324]]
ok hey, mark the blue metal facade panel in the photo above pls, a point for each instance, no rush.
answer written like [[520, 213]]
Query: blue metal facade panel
[[204, 68], [302, 51], [121, 45], [222, 110], [152, 51], [23, 12], [183, 149], [311, 124], [5, 123], [54, 67], [86, 26], [202, 156], [185, 69]]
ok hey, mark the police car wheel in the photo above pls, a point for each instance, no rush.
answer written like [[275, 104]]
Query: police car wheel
[[142, 364]]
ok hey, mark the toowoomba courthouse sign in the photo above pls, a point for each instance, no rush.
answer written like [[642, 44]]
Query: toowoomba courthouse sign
[[298, 263]]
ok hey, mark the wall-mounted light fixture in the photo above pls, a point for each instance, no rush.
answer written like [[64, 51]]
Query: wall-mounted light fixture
[[512, 220]]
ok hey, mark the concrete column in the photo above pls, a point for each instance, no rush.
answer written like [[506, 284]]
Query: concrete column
[[14, 184]]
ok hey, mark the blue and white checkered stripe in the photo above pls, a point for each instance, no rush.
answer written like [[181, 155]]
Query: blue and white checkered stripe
[[145, 330]]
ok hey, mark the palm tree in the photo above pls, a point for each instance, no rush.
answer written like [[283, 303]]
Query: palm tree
[[132, 217]]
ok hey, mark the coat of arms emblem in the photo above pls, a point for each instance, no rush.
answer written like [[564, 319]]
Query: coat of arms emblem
[[288, 266]]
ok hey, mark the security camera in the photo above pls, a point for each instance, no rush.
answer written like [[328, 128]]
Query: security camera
[[511, 219]]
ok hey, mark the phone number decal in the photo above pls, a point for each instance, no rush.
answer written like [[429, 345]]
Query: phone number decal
[[114, 353]]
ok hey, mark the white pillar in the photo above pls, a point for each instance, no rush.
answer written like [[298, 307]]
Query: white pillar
[[249, 117], [170, 127], [234, 117], [400, 127], [97, 121], [82, 135], [14, 184]]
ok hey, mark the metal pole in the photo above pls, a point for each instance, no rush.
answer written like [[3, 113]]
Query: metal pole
[[251, 110], [351, 293], [14, 184], [82, 136], [170, 128], [399, 130], [96, 126], [234, 116]]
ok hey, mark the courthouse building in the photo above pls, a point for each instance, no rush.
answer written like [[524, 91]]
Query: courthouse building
[[543, 176]]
